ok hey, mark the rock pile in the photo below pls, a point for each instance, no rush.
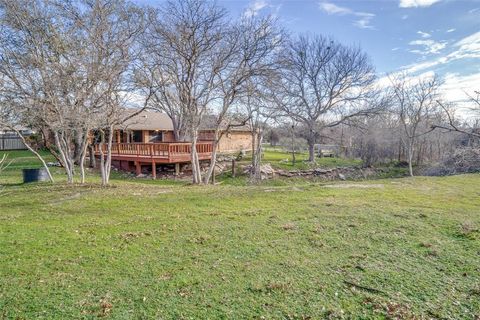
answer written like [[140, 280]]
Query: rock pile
[[342, 173], [266, 171]]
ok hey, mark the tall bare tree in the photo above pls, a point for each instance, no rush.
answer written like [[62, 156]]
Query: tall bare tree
[[414, 101], [39, 65], [64, 63], [185, 40], [249, 56], [261, 110], [112, 28], [324, 84]]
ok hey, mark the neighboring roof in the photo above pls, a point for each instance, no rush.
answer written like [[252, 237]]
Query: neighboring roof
[[148, 120]]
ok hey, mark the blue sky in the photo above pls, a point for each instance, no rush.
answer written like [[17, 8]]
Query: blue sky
[[419, 36]]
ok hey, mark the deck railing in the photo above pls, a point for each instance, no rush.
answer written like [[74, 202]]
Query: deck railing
[[173, 151]]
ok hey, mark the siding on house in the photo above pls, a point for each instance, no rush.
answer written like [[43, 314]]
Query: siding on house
[[234, 141]]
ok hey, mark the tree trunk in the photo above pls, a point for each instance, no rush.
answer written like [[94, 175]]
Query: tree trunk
[[107, 163], [410, 158], [83, 155], [311, 151], [91, 156], [196, 170], [257, 175], [213, 161], [254, 149], [102, 155], [62, 144], [78, 141]]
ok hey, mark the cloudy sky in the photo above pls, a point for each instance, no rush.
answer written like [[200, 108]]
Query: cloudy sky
[[419, 36]]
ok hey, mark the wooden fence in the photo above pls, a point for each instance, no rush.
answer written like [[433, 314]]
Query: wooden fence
[[11, 142]]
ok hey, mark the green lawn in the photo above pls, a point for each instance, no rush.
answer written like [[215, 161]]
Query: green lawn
[[20, 159], [393, 248], [281, 159]]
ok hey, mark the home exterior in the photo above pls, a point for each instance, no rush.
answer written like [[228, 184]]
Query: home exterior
[[146, 142]]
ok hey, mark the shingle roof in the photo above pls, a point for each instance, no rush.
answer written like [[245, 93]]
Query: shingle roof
[[148, 120], [153, 120]]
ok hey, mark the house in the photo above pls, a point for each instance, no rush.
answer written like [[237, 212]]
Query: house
[[146, 142]]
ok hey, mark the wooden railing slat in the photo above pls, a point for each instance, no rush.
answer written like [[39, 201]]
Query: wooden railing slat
[[172, 151]]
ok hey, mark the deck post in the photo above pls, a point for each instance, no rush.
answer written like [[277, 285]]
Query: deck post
[[177, 169], [154, 170], [138, 168]]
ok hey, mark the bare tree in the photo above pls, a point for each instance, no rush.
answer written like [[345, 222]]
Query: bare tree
[[414, 100], [39, 70], [113, 29], [64, 63], [324, 84], [185, 40], [249, 56], [261, 110]]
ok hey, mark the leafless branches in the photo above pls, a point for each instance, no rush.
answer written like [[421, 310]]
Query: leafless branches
[[324, 83], [453, 124], [64, 66], [415, 104]]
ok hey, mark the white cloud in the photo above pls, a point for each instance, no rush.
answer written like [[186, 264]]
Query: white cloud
[[429, 46], [451, 30], [424, 34], [456, 88], [416, 3], [413, 68], [473, 38], [332, 8], [255, 7], [468, 47], [362, 21]]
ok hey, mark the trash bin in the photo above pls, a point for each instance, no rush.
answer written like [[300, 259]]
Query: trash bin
[[35, 175]]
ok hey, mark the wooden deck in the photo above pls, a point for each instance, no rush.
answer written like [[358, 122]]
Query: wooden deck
[[157, 153]]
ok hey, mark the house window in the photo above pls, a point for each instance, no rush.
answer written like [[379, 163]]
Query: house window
[[155, 136], [137, 136]]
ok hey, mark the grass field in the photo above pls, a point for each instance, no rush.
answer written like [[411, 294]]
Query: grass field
[[281, 159], [393, 248]]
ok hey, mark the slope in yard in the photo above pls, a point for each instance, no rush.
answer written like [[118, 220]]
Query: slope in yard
[[400, 248]]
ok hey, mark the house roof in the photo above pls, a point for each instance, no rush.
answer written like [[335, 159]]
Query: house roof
[[147, 120], [153, 120]]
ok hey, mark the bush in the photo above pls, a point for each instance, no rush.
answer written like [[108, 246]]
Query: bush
[[462, 160]]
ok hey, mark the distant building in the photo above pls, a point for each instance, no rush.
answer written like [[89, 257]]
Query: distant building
[[9, 139]]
